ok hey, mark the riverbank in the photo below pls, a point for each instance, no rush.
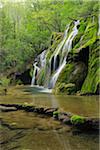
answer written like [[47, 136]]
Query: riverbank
[[25, 128]]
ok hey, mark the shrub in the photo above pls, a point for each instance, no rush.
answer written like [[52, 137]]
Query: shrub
[[4, 81]]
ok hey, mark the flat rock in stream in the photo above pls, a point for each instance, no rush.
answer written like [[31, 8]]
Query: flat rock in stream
[[7, 109]]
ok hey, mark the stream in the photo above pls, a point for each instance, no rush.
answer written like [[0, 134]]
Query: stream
[[22, 130]]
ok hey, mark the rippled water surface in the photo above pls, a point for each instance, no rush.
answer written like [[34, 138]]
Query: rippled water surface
[[28, 131]]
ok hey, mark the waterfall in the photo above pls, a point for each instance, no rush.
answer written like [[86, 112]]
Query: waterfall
[[59, 48], [65, 50], [58, 59], [56, 75], [43, 58], [36, 69]]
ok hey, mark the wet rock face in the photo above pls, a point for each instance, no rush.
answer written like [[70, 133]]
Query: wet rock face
[[71, 78], [83, 56], [78, 75]]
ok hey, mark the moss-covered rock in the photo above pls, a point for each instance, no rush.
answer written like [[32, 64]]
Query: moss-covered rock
[[71, 78], [83, 67], [41, 77], [76, 119], [92, 80], [64, 88], [55, 40]]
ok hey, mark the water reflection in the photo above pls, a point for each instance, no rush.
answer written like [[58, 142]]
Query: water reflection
[[82, 105]]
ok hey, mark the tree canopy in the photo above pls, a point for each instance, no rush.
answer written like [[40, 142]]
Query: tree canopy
[[27, 25]]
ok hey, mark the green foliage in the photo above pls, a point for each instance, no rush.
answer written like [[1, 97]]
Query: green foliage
[[4, 81], [31, 72], [19, 82], [75, 119]]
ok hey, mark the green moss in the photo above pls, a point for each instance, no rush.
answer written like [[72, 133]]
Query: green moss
[[64, 88], [71, 78], [92, 80], [88, 30], [82, 27], [31, 72], [65, 74], [4, 81], [56, 113], [90, 39], [49, 53], [75, 119], [41, 77], [56, 37]]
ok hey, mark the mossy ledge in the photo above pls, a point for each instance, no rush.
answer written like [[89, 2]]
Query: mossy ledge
[[67, 118]]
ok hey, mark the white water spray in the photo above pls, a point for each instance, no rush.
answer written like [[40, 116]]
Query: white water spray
[[43, 58], [36, 70]]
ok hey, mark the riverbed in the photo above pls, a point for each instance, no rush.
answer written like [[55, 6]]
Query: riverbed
[[22, 130]]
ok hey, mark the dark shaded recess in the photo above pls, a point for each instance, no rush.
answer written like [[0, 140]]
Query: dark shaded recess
[[52, 62], [98, 89], [35, 76], [24, 77], [82, 56], [52, 39], [81, 61], [78, 26], [57, 62], [36, 73]]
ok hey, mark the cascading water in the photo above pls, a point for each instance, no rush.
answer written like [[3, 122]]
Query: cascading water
[[56, 75], [36, 69], [43, 58], [65, 50], [59, 48], [58, 59]]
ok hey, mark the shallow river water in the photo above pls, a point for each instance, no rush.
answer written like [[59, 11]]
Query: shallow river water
[[28, 131]]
